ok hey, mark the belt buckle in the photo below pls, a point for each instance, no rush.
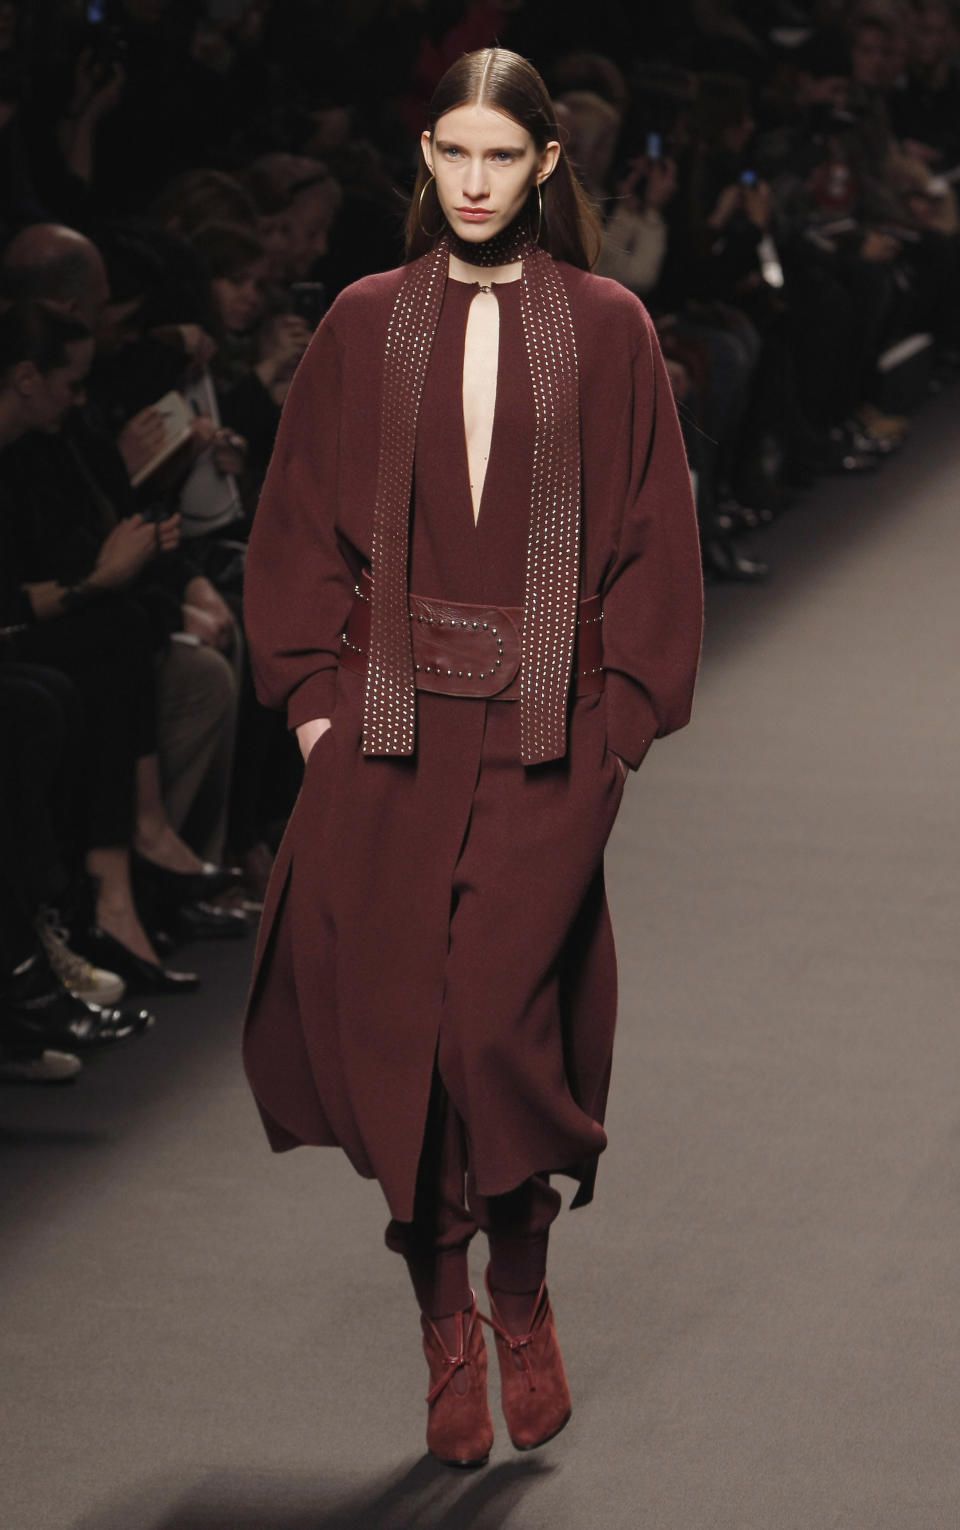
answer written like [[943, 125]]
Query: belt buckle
[[477, 654]]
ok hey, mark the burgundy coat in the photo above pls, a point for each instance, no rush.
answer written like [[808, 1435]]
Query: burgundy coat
[[447, 910]]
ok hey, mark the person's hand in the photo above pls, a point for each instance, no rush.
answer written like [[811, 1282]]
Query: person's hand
[[756, 203], [878, 247], [94, 97], [229, 452], [309, 732], [197, 344], [141, 439], [924, 152], [726, 205], [680, 384], [282, 342], [207, 616], [192, 340], [661, 183], [127, 548], [167, 533]]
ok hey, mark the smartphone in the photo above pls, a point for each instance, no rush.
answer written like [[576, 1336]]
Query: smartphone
[[748, 178], [654, 146], [309, 301]]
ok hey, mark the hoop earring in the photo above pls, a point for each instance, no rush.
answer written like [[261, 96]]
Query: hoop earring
[[536, 237], [425, 231]]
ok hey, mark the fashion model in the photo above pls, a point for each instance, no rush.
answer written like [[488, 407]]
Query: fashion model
[[474, 583]]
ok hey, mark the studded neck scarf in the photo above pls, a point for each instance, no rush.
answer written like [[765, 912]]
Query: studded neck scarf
[[553, 545]]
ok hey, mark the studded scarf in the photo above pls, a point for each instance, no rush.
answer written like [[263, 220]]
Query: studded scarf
[[553, 545]]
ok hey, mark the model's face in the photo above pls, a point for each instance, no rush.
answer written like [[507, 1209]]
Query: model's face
[[484, 164]]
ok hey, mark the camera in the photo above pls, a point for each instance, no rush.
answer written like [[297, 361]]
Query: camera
[[309, 301]]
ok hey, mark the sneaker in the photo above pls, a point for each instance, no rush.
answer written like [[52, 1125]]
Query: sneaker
[[85, 981], [46, 1067]]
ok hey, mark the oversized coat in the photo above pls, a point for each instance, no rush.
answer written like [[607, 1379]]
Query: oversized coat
[[446, 911]]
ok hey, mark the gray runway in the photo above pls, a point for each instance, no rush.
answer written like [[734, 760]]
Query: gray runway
[[759, 1312]]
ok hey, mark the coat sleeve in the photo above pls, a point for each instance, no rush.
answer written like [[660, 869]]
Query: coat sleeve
[[653, 598], [298, 588]]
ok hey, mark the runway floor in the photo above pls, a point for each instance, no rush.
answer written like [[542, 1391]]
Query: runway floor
[[760, 1311]]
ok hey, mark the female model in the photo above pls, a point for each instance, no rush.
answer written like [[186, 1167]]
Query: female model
[[474, 583]]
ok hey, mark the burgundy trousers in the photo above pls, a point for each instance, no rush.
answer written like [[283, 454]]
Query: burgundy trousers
[[448, 1211]]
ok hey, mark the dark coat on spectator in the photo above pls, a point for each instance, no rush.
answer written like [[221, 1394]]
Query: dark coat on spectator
[[447, 910]]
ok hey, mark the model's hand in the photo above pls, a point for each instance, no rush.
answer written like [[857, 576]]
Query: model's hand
[[309, 732]]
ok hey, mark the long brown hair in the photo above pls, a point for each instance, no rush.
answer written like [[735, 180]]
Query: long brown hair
[[495, 77]]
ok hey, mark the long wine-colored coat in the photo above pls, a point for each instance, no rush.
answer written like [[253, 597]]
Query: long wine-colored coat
[[447, 910]]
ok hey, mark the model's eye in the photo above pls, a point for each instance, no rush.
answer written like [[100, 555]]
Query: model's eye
[[504, 157], [450, 152]]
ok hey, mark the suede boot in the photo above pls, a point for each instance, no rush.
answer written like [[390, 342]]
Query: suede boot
[[459, 1427], [533, 1385]]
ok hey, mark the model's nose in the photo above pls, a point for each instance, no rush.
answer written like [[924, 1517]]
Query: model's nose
[[475, 182]]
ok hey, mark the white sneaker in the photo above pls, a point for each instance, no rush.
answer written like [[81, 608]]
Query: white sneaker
[[92, 984], [45, 1068]]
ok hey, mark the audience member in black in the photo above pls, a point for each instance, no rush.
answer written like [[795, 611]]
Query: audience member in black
[[925, 110], [76, 618], [86, 476], [257, 351]]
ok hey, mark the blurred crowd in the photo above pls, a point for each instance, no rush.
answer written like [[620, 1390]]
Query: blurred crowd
[[185, 185]]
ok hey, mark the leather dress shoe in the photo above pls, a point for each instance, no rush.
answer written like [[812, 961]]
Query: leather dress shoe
[[721, 560], [199, 920], [37, 1010], [140, 975]]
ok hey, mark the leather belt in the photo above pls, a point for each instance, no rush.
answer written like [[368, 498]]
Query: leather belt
[[466, 650]]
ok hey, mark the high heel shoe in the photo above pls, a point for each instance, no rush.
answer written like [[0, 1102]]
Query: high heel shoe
[[184, 886], [140, 975], [459, 1427], [534, 1393]]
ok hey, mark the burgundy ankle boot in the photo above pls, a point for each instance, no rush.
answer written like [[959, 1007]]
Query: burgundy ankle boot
[[533, 1386], [459, 1428]]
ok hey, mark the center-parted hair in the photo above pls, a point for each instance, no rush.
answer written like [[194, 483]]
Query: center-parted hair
[[495, 77]]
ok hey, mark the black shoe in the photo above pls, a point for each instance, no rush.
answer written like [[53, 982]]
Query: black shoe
[[202, 921], [183, 886], [38, 1011], [139, 975], [732, 516], [722, 561]]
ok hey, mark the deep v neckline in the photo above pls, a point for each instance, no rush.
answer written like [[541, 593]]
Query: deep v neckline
[[473, 290]]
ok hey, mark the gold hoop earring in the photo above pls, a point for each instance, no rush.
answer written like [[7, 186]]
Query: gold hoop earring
[[425, 231], [536, 237]]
